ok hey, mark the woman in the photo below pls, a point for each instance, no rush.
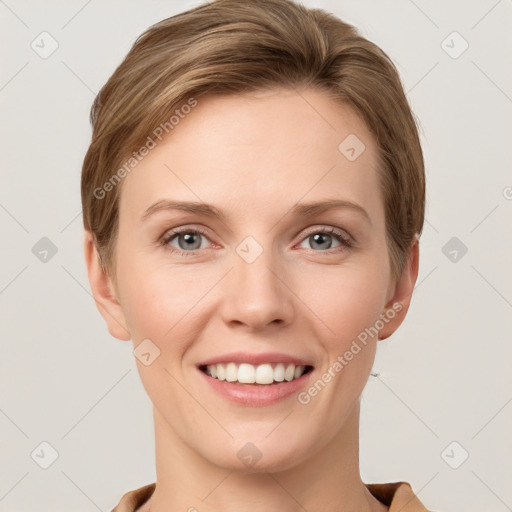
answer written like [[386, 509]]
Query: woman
[[253, 197]]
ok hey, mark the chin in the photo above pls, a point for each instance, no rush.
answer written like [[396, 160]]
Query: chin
[[261, 455]]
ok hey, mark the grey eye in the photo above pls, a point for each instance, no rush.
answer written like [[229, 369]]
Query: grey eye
[[322, 241], [187, 240]]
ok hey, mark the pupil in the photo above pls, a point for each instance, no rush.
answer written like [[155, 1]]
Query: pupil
[[189, 240], [321, 237]]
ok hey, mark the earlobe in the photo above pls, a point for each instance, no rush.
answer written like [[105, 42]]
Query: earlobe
[[398, 305], [103, 291]]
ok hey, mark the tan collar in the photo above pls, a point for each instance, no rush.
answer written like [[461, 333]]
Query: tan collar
[[399, 496]]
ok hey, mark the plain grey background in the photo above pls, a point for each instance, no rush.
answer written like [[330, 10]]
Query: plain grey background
[[444, 388]]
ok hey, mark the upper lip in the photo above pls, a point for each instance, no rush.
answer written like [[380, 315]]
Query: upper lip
[[255, 359]]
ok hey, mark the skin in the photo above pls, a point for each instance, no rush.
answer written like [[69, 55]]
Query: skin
[[254, 156]]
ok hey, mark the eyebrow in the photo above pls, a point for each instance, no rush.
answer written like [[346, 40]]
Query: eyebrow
[[298, 210]]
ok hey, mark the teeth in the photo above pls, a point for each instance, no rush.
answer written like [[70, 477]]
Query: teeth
[[264, 374], [279, 372], [245, 373], [231, 372], [289, 372]]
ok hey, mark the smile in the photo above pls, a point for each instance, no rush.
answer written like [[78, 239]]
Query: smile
[[265, 374]]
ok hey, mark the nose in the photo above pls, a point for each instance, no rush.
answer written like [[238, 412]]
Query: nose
[[257, 294]]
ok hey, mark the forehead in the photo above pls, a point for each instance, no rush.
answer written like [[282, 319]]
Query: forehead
[[256, 152]]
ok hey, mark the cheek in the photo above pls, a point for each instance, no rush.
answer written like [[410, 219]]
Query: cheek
[[348, 304], [158, 299], [345, 299], [162, 304]]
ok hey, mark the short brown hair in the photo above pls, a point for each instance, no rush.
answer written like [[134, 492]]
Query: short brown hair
[[233, 46]]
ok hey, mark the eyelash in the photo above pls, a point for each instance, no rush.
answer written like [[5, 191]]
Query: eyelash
[[344, 240]]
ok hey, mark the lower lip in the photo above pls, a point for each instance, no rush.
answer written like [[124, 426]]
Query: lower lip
[[256, 395]]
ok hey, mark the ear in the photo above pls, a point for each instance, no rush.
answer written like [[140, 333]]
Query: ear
[[103, 291], [398, 304]]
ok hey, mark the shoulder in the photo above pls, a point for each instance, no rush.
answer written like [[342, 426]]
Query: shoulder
[[399, 496], [131, 501]]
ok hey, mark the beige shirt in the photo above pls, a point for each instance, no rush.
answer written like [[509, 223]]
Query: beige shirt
[[399, 496]]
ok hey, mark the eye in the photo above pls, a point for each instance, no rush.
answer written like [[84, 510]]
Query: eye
[[322, 239], [188, 240]]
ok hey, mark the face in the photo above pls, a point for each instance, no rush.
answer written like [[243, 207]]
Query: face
[[256, 278]]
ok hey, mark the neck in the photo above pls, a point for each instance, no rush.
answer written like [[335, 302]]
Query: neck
[[327, 481]]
